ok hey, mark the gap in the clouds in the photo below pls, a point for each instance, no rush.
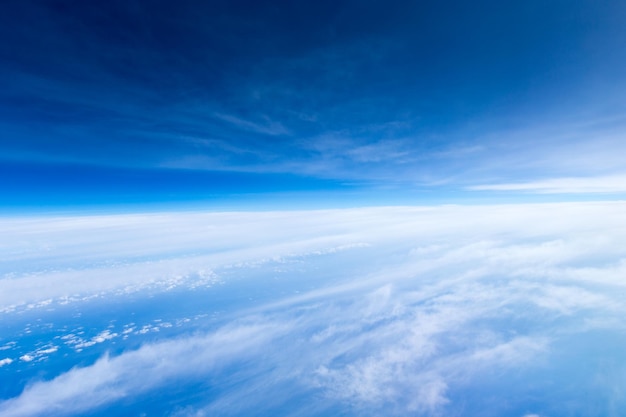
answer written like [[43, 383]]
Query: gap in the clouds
[[35, 188]]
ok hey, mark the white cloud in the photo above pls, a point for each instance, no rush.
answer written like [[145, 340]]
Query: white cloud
[[110, 379], [571, 185], [421, 301], [5, 361], [99, 338], [267, 127], [8, 346]]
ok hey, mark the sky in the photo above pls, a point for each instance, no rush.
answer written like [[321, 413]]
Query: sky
[[373, 102], [312, 208]]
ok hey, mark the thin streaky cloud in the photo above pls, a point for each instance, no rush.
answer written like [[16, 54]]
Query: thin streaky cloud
[[267, 128], [571, 185]]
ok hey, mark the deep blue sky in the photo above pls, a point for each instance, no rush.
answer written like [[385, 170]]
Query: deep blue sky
[[182, 100]]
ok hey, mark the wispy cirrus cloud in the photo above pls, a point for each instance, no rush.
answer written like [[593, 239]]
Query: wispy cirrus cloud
[[111, 379], [342, 95], [571, 185], [267, 127]]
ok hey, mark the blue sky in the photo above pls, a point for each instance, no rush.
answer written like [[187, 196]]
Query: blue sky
[[132, 101]]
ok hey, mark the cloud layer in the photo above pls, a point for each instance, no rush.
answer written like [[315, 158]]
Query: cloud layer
[[425, 311]]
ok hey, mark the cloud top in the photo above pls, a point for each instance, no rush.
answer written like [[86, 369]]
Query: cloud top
[[424, 310]]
